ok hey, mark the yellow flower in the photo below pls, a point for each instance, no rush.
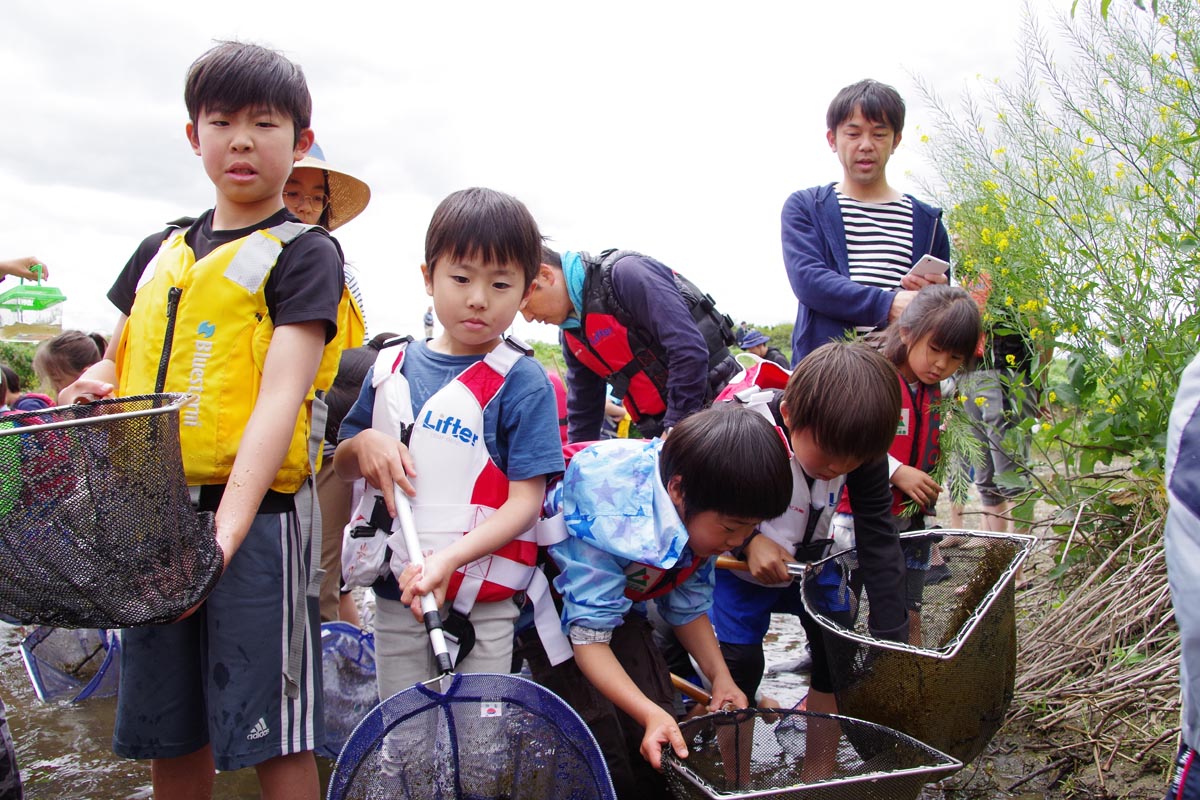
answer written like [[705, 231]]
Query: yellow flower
[[1053, 396], [924, 138], [1008, 301], [979, 401], [962, 398], [1011, 359]]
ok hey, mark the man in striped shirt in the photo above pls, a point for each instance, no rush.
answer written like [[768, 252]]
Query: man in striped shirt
[[848, 246]]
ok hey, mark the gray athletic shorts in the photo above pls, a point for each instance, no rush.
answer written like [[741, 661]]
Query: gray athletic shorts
[[218, 676]]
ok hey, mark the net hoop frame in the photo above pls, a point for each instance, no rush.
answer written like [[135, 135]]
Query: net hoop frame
[[1025, 544], [950, 763], [175, 402], [376, 725]]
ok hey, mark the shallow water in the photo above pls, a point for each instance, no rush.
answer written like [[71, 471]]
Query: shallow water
[[64, 749]]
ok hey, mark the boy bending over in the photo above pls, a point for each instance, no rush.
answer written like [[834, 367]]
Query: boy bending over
[[644, 518]]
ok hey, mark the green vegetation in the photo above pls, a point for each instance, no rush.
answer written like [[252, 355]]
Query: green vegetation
[[19, 356], [1073, 189]]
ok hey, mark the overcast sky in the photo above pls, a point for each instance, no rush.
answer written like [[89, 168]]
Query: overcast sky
[[673, 128]]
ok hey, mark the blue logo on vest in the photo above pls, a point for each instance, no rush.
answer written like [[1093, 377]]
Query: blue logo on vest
[[600, 335], [451, 427], [202, 351]]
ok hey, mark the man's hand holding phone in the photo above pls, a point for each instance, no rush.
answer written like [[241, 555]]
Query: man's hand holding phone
[[929, 270]]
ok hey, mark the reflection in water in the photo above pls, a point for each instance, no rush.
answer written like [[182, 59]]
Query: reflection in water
[[64, 750]]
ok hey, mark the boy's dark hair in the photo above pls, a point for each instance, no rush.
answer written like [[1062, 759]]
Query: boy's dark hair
[[848, 397], [878, 102], [729, 459], [946, 313], [552, 257], [234, 75], [492, 225], [10, 378]]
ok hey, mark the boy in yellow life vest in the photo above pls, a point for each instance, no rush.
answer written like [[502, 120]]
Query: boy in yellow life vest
[[239, 308]]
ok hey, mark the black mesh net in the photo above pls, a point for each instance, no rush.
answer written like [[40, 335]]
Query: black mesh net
[[951, 688], [800, 755], [489, 736], [96, 526]]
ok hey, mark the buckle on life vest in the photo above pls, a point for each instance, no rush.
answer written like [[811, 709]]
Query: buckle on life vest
[[458, 628]]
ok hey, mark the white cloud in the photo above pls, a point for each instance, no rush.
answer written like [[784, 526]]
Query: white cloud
[[673, 128]]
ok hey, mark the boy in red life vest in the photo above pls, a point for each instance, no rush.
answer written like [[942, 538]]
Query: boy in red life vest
[[840, 408], [466, 425], [628, 320], [643, 519]]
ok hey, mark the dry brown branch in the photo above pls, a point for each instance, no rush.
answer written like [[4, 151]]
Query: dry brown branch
[[1099, 654]]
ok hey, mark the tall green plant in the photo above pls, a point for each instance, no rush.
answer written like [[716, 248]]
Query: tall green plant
[[1074, 187]]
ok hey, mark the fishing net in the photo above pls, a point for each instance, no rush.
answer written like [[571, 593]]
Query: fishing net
[[96, 526], [489, 736], [348, 672], [72, 664], [799, 755], [952, 689]]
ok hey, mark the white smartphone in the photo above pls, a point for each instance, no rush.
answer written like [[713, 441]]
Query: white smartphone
[[929, 266]]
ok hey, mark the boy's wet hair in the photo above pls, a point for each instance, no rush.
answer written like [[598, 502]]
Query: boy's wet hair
[[847, 395], [234, 75], [492, 225], [878, 102], [945, 313], [729, 460]]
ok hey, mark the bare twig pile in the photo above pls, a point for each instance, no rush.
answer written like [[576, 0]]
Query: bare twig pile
[[1098, 669]]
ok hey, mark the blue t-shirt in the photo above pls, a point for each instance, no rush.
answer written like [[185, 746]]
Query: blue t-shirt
[[520, 426]]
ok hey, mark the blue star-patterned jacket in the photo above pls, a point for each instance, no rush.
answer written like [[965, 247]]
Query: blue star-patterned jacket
[[618, 513]]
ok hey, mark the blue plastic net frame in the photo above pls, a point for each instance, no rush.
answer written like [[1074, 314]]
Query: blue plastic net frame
[[471, 696], [349, 684], [72, 663]]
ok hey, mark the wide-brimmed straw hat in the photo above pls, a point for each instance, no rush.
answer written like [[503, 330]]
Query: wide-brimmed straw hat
[[348, 195]]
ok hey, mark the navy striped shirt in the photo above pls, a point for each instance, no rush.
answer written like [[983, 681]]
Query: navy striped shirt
[[878, 242]]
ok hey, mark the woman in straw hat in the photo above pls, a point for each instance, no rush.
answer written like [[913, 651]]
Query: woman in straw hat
[[320, 194]]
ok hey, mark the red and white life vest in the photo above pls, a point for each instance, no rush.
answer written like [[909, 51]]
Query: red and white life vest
[[755, 387], [458, 485]]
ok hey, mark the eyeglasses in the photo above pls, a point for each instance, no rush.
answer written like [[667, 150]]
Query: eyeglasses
[[317, 200]]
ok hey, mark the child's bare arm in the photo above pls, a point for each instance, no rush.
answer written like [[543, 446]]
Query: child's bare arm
[[598, 664], [517, 514], [917, 485], [379, 458], [698, 639], [288, 373]]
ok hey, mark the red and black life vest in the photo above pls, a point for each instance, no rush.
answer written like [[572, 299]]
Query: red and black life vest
[[917, 437], [610, 344]]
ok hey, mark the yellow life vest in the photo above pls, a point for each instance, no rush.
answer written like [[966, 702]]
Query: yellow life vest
[[210, 319]]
